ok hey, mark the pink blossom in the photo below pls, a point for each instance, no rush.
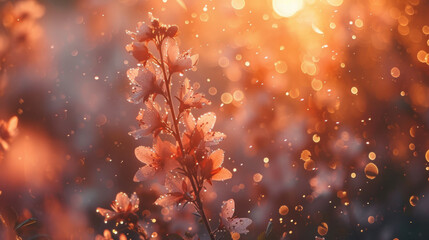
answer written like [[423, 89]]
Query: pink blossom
[[121, 207], [158, 158], [177, 62]]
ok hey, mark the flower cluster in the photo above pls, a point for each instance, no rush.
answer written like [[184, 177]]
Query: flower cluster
[[124, 211], [183, 150], [191, 154], [190, 161]]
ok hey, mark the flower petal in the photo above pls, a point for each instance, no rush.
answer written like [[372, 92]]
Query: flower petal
[[107, 214], [217, 158], [206, 122], [144, 154], [144, 173], [122, 201], [221, 175], [239, 225], [227, 210], [134, 201]]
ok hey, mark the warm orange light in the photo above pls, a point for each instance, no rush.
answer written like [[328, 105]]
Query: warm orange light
[[287, 8]]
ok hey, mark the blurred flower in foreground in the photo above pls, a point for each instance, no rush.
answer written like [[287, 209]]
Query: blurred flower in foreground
[[124, 212], [107, 235], [123, 207], [231, 223], [7, 132]]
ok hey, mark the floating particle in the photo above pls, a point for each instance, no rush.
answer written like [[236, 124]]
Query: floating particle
[[235, 236], [212, 91], [238, 95], [413, 131], [299, 208], [223, 62], [257, 177], [395, 72], [287, 8], [226, 98], [371, 170], [335, 3], [322, 229], [427, 155], [309, 67], [309, 165], [353, 175], [370, 219], [74, 53], [100, 120], [316, 29], [238, 4], [425, 29], [359, 23], [305, 155], [316, 84], [266, 160], [294, 93], [283, 210], [372, 155], [422, 56], [413, 200], [354, 90], [341, 194], [316, 138], [280, 66], [204, 17]]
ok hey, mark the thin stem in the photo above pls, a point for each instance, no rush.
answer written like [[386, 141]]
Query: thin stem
[[191, 175]]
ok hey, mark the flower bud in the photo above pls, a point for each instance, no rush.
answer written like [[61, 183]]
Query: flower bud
[[155, 23], [172, 31]]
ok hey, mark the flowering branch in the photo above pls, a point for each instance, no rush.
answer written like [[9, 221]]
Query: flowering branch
[[189, 163]]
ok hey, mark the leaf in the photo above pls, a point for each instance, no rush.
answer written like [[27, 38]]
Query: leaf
[[26, 223], [269, 228], [196, 214]]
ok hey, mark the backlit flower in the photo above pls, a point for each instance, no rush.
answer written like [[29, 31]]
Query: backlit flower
[[122, 207], [158, 158]]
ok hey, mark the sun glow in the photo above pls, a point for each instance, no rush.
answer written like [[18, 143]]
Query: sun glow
[[287, 8]]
